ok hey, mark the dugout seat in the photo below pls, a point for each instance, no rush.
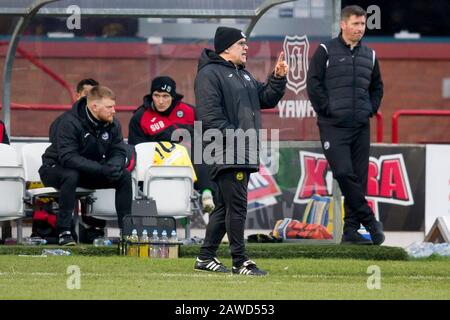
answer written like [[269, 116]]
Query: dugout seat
[[32, 161], [12, 187], [103, 206], [170, 186]]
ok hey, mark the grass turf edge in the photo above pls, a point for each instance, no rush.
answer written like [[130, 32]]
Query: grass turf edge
[[254, 251]]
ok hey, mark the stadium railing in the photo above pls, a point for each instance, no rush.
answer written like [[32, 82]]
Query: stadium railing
[[413, 112]]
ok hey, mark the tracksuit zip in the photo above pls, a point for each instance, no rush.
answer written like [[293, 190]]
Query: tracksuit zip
[[354, 85], [245, 85]]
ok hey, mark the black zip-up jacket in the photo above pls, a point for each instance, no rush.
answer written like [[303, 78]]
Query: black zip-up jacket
[[344, 85], [228, 97], [80, 142]]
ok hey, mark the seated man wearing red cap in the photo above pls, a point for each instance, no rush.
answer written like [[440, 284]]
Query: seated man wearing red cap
[[162, 113]]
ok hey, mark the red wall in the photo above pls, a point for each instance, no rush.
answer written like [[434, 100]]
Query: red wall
[[412, 73]]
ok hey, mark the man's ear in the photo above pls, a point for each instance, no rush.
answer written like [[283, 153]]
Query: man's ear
[[93, 106]]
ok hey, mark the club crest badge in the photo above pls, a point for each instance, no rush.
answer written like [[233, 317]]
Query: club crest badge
[[296, 50]]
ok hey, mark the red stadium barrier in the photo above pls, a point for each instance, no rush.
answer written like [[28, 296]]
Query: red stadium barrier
[[412, 112], [379, 122], [379, 127], [58, 107], [26, 55]]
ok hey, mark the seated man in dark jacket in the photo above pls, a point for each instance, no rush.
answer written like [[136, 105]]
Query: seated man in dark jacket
[[87, 151]]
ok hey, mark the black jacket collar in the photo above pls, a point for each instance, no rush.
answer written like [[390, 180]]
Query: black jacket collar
[[148, 104], [342, 41], [81, 111], [210, 57]]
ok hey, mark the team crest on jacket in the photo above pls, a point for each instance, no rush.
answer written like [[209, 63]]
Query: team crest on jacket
[[105, 136], [247, 77], [296, 50], [180, 113]]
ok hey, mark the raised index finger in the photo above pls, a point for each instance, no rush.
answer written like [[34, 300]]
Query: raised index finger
[[281, 56]]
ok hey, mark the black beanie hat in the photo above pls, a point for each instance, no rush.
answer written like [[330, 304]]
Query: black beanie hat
[[225, 37], [165, 84]]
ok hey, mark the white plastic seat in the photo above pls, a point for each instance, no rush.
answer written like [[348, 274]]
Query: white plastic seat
[[170, 186], [172, 189], [144, 160], [12, 188], [12, 184], [32, 161], [104, 206]]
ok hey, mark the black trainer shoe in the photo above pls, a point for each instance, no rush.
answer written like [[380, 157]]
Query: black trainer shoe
[[249, 268], [354, 237], [65, 239], [376, 232], [212, 265]]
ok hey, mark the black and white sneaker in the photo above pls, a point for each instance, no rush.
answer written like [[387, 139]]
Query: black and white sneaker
[[65, 239], [212, 265], [249, 268]]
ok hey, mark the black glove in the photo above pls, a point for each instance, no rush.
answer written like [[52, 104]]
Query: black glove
[[111, 172]]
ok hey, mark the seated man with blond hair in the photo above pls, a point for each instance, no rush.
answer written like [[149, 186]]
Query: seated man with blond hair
[[87, 150]]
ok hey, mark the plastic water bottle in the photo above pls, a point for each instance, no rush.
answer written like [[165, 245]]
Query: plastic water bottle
[[164, 245], [420, 249], [154, 247], [102, 242], [143, 248], [35, 241], [173, 245], [442, 249], [133, 250], [55, 252]]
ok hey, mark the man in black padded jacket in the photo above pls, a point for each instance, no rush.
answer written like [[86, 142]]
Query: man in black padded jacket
[[345, 88]]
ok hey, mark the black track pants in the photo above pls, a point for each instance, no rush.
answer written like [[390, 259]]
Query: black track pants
[[228, 217], [347, 152], [67, 180]]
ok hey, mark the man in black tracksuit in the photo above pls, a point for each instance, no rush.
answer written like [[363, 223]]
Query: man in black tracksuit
[[229, 98], [87, 150], [345, 88]]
